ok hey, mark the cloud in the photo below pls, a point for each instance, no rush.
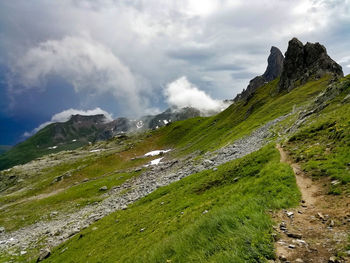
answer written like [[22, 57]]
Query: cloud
[[66, 115], [181, 93], [88, 65]]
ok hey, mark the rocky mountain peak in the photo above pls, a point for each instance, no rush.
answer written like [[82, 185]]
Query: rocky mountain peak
[[274, 64], [98, 118], [273, 70], [303, 62]]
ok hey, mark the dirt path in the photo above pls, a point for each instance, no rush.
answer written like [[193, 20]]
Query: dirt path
[[316, 230]]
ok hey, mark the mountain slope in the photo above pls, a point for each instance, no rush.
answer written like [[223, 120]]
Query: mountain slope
[[109, 200], [81, 130]]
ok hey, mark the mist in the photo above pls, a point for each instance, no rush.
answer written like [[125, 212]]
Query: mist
[[182, 93]]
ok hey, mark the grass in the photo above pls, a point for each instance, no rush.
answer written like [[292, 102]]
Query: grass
[[101, 169], [239, 119], [322, 146], [236, 228]]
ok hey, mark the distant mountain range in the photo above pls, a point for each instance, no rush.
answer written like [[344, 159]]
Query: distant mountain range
[[81, 130]]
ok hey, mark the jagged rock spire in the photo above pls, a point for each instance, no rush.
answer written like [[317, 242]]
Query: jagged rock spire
[[273, 70], [303, 62]]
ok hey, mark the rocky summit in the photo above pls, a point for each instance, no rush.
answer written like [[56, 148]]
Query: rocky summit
[[304, 62], [273, 70]]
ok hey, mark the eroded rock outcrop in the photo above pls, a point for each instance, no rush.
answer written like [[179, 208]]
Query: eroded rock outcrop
[[273, 70], [306, 62]]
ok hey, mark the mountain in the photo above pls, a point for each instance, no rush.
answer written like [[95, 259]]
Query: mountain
[[273, 71], [4, 148], [306, 62], [81, 130], [265, 180]]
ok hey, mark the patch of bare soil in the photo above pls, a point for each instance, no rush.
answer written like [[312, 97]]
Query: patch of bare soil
[[318, 229]]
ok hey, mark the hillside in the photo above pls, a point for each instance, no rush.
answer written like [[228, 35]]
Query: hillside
[[220, 192], [82, 130]]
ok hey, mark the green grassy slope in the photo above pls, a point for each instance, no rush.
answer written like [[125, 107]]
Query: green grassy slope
[[4, 148], [237, 227], [170, 225], [36, 146], [322, 146], [239, 119]]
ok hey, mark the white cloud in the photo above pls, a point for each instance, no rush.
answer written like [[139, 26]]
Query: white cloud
[[88, 65], [181, 93], [66, 115]]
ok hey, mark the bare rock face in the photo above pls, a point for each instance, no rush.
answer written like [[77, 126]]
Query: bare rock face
[[273, 70], [274, 64], [305, 62]]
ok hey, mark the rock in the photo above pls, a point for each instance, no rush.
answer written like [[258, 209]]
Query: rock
[[273, 70], [282, 258], [332, 259], [103, 188], [2, 229], [320, 216], [142, 229], [289, 214], [23, 252], [293, 235], [204, 212], [303, 62], [335, 182], [236, 179], [44, 255], [291, 246], [299, 260], [215, 169]]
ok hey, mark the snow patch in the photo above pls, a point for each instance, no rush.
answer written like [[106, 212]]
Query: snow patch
[[165, 122], [157, 152], [53, 147], [154, 162]]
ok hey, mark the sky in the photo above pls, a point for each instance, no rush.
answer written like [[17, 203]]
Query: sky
[[131, 58]]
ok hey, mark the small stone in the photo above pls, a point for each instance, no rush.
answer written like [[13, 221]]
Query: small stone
[[204, 212], [142, 229], [236, 179], [44, 255], [331, 223], [332, 259], [294, 235], [299, 260], [320, 216], [291, 246], [215, 169], [289, 214], [282, 258], [2, 229], [104, 188], [23, 252], [182, 213]]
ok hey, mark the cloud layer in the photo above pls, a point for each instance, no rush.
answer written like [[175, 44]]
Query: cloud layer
[[181, 93], [89, 66]]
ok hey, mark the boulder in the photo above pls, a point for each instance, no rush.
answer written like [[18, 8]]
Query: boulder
[[44, 255]]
